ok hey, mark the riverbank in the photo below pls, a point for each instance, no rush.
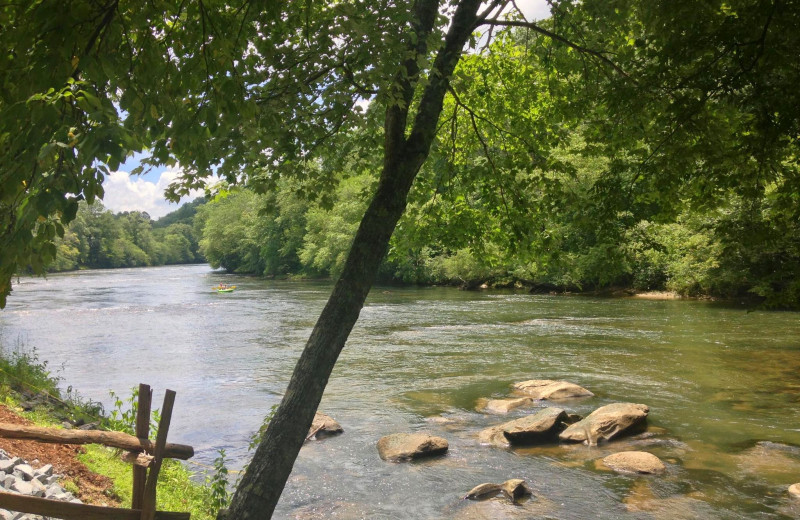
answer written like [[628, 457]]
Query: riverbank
[[94, 474], [479, 284]]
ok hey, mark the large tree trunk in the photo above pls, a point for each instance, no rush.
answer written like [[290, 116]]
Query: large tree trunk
[[263, 482]]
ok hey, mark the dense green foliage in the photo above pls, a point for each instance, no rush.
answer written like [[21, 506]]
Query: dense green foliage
[[530, 187], [99, 239], [696, 253]]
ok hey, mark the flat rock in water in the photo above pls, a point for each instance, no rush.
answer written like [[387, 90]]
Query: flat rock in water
[[324, 425], [542, 426], [505, 405], [549, 389], [635, 462], [606, 423], [794, 490], [400, 447]]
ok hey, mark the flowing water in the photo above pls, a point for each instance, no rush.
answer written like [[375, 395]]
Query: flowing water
[[722, 384]]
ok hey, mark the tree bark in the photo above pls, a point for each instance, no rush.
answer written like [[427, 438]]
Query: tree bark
[[263, 482]]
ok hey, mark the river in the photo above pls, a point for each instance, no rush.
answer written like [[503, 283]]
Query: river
[[722, 384]]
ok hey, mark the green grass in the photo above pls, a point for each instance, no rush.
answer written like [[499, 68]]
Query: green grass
[[176, 489], [21, 370]]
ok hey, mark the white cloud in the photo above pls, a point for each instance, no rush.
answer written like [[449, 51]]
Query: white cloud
[[534, 9], [126, 193]]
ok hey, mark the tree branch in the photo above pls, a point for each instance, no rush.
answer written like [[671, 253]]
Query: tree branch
[[553, 36]]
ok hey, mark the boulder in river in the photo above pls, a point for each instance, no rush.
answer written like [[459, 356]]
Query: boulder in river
[[635, 462], [323, 425], [513, 489], [549, 389], [794, 490], [606, 423], [505, 405], [401, 447], [542, 426], [481, 491]]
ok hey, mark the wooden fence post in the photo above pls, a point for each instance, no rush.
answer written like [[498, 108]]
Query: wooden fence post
[[149, 499], [142, 432]]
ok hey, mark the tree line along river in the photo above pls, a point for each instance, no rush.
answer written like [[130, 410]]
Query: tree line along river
[[722, 384]]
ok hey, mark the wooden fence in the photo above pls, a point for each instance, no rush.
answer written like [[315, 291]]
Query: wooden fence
[[146, 456]]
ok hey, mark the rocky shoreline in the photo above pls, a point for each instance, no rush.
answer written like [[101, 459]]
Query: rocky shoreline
[[19, 477]]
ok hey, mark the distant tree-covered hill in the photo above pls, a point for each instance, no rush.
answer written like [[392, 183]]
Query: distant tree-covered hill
[[99, 239]]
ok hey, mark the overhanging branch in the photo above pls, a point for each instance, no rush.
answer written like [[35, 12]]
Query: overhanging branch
[[553, 36]]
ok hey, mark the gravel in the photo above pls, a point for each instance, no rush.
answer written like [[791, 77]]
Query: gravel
[[19, 477]]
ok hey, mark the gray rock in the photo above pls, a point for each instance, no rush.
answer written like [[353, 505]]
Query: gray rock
[[25, 470], [8, 480], [549, 389], [542, 426], [38, 488], [6, 515], [406, 446], [7, 466], [45, 470], [53, 491], [606, 423], [22, 487]]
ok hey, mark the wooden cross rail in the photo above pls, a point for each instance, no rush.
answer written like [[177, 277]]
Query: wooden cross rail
[[119, 440], [143, 504]]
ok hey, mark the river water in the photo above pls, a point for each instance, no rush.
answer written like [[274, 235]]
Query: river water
[[722, 384]]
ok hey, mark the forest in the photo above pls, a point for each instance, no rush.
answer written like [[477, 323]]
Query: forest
[[738, 250], [100, 239]]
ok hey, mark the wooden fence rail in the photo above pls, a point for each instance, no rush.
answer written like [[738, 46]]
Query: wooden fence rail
[[143, 504]]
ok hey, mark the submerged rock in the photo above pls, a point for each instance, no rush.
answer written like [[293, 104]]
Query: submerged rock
[[606, 423], [504, 405], [324, 425], [635, 462], [400, 447], [542, 426], [794, 490], [549, 389], [772, 461]]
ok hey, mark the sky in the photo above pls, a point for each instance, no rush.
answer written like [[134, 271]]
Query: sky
[[124, 192], [534, 9]]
